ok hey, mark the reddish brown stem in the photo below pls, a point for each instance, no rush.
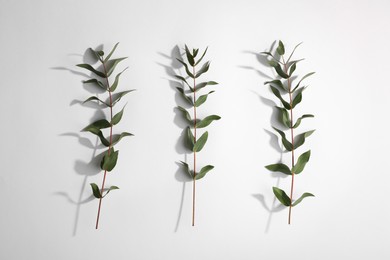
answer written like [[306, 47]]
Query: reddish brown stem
[[193, 178], [109, 147], [292, 142]]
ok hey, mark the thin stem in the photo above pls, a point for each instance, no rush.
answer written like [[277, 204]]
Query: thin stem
[[109, 147], [193, 178], [292, 141]]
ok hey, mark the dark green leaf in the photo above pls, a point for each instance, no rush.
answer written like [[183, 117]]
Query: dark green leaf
[[204, 53], [203, 172], [97, 82], [202, 99], [187, 169], [186, 68], [182, 79], [110, 189], [280, 72], [284, 117], [297, 99], [109, 160], [285, 142], [90, 68], [201, 142], [99, 124], [99, 133], [279, 167], [298, 122], [204, 69], [277, 83], [93, 98], [207, 120], [190, 58], [190, 139], [117, 96], [202, 85], [117, 118], [185, 114], [279, 96], [116, 138], [111, 52], [304, 195], [282, 196], [300, 165], [111, 64], [100, 53], [280, 48], [195, 52], [292, 69], [115, 84], [186, 98], [300, 139], [95, 191]]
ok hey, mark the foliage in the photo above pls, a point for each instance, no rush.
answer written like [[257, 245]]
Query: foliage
[[282, 86]]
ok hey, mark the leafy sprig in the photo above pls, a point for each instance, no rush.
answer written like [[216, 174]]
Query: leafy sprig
[[282, 86], [100, 79], [188, 91]]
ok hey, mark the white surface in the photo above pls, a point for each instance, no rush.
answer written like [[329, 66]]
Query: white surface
[[345, 42]]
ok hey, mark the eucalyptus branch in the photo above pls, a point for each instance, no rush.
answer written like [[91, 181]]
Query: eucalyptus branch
[[286, 118], [195, 144], [110, 156]]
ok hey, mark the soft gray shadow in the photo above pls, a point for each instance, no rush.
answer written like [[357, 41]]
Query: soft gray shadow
[[85, 169], [172, 67]]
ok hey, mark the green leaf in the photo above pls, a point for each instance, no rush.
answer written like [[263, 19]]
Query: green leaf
[[304, 77], [100, 53], [95, 191], [202, 99], [186, 98], [195, 52], [111, 64], [292, 69], [202, 70], [280, 48], [187, 169], [116, 138], [298, 122], [304, 195], [203, 172], [284, 117], [99, 124], [279, 167], [280, 72], [300, 165], [190, 139], [204, 53], [285, 142], [288, 60], [98, 133], [300, 139], [201, 142], [207, 120], [282, 196], [273, 63], [115, 84], [277, 83], [186, 68], [110, 189], [297, 99], [186, 114], [90, 68], [109, 160], [279, 96], [95, 53], [117, 96], [190, 58], [93, 98], [111, 52], [97, 82], [201, 85], [182, 79], [118, 116]]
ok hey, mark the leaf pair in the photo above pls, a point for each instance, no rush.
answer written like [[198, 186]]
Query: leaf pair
[[196, 145], [298, 167], [96, 190], [285, 199], [198, 175]]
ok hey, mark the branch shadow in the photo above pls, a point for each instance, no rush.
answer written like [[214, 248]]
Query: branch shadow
[[82, 168], [172, 68]]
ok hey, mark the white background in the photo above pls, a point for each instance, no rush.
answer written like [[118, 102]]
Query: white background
[[45, 210]]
